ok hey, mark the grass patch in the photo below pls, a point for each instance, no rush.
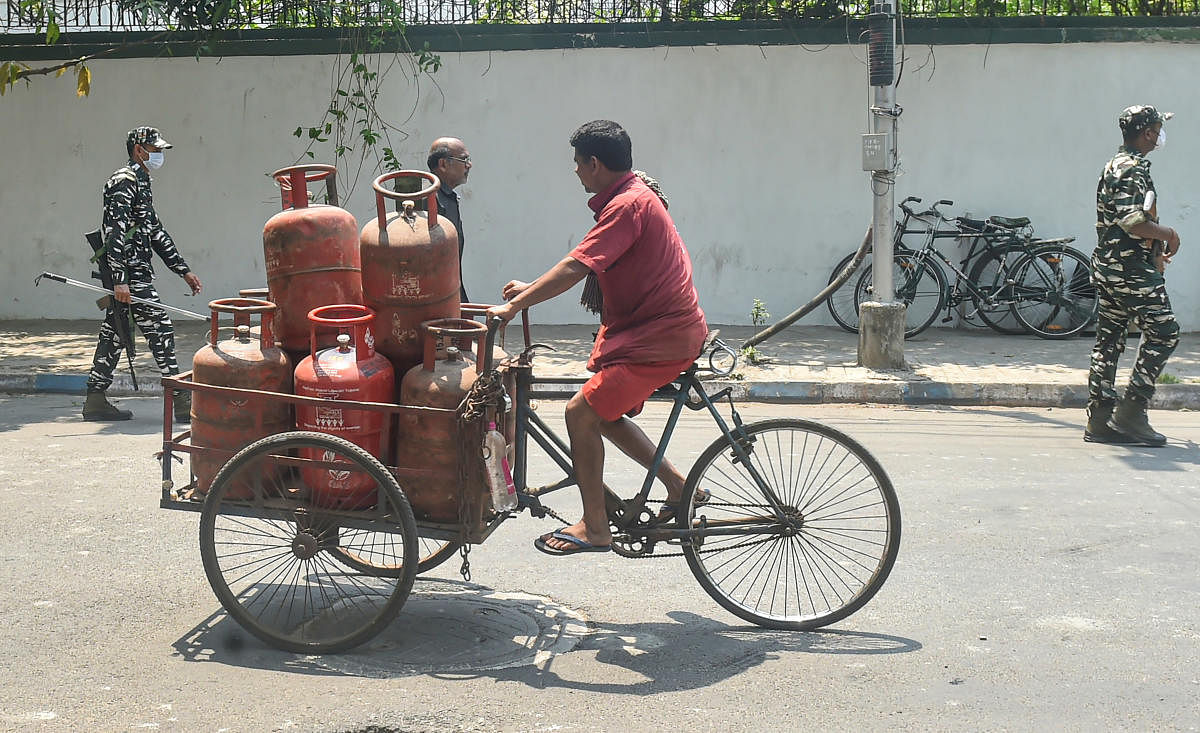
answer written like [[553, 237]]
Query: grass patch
[[1165, 378]]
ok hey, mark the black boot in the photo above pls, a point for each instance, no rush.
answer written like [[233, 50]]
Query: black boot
[[1098, 431], [97, 408], [1130, 418], [182, 403]]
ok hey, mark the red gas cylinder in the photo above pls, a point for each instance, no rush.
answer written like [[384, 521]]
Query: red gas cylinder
[[349, 371], [311, 254], [429, 440], [410, 268], [247, 361]]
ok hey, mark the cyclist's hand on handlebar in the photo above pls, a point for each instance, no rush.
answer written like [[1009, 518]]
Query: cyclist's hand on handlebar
[[513, 289]]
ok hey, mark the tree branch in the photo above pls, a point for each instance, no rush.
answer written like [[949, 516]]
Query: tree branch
[[23, 73]]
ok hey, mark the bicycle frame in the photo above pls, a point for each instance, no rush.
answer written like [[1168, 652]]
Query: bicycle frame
[[982, 243], [627, 515]]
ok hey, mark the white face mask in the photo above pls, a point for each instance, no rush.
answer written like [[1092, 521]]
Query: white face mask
[[155, 161], [1162, 138]]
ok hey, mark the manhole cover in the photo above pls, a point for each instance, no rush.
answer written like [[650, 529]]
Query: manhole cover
[[463, 628]]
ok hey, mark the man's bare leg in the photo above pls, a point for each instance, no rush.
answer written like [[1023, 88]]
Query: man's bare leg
[[587, 455], [633, 442]]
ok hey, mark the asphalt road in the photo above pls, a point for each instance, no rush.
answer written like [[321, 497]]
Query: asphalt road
[[1043, 584]]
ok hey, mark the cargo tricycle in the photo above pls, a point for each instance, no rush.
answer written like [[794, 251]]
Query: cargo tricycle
[[786, 523]]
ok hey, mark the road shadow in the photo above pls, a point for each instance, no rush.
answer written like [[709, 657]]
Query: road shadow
[[438, 634], [1173, 456], [67, 409], [693, 652]]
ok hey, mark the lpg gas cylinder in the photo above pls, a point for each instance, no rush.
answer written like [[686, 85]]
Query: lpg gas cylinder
[[311, 254], [251, 361], [429, 440], [351, 370], [410, 268]]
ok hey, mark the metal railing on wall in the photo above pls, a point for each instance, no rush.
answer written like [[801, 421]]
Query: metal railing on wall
[[101, 15]]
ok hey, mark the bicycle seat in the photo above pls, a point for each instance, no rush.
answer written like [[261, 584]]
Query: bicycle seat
[[1004, 221], [975, 225]]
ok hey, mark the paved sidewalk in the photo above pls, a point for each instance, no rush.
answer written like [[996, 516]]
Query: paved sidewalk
[[808, 364]]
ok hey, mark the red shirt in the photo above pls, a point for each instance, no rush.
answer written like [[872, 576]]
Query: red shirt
[[651, 310]]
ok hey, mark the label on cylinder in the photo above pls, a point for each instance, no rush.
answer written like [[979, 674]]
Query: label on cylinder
[[329, 418], [337, 478], [406, 285]]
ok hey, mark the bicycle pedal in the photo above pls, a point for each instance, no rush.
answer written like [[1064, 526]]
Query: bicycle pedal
[[947, 319]]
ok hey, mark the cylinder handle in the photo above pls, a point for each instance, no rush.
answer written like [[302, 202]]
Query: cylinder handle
[[242, 309], [294, 180], [341, 317], [429, 193], [459, 327]]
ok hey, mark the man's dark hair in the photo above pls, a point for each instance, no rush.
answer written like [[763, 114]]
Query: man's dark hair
[[129, 147], [436, 155], [606, 140]]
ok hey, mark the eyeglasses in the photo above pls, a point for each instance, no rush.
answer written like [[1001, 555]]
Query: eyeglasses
[[465, 160]]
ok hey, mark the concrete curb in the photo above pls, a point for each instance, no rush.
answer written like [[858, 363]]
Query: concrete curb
[[888, 392]]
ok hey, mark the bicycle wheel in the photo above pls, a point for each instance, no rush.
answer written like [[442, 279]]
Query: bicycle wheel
[[1053, 295], [920, 285], [842, 305], [833, 554], [267, 542], [994, 303], [355, 551]]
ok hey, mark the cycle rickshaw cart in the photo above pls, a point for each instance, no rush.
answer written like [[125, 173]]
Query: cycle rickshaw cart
[[787, 523]]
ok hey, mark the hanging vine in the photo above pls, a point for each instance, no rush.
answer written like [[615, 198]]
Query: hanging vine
[[352, 124]]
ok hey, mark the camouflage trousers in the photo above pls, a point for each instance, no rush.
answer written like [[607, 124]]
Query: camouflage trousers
[[1130, 295], [154, 325]]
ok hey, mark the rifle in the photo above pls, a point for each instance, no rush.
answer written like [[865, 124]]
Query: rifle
[[133, 298], [118, 314]]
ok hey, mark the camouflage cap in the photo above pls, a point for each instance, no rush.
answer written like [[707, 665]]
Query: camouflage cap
[[1141, 116], [146, 136]]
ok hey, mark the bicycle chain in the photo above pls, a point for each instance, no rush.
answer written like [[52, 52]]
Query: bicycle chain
[[748, 543]]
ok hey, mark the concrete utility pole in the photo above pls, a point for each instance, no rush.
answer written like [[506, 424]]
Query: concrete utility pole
[[881, 321]]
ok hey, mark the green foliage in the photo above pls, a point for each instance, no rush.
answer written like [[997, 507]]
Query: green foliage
[[352, 123], [758, 316], [758, 313], [1165, 378]]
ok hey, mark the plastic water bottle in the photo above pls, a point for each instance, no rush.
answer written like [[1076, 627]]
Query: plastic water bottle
[[499, 474]]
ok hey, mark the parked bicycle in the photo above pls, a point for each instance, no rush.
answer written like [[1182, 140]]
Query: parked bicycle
[[1013, 282]]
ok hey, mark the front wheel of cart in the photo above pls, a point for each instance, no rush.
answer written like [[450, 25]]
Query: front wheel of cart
[[269, 542]]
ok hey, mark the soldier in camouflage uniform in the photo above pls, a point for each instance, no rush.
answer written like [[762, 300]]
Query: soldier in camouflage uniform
[[132, 232], [1127, 272]]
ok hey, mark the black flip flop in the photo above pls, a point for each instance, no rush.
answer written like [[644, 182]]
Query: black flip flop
[[580, 545]]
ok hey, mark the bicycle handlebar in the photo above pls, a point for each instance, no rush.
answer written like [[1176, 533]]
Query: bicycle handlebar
[[904, 205]]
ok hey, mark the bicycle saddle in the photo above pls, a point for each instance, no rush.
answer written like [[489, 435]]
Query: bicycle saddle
[[1004, 221]]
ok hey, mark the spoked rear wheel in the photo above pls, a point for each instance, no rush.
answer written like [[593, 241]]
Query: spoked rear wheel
[[831, 552], [1053, 293], [919, 284], [268, 539], [842, 304]]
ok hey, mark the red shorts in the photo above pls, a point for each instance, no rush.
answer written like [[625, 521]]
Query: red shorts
[[622, 389]]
